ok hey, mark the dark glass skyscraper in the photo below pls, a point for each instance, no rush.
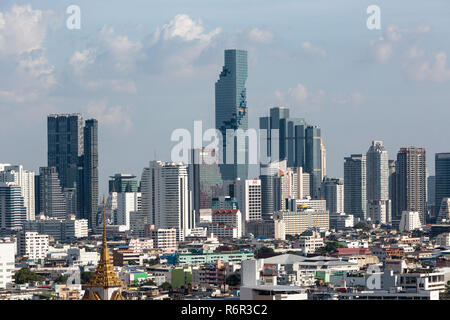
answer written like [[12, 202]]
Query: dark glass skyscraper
[[73, 152], [90, 172], [442, 180], [65, 146], [51, 198], [232, 113], [355, 201]]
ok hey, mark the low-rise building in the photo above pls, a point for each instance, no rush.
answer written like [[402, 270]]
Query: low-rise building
[[32, 245]]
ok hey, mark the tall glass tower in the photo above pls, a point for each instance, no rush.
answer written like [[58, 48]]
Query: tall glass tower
[[442, 180], [232, 113]]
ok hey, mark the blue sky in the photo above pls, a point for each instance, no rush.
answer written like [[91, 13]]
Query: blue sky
[[145, 68]]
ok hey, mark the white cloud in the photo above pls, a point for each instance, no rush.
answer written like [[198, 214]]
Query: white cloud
[[309, 48], [435, 69], [183, 27], [260, 36], [382, 50], [22, 29], [116, 117], [29, 74]]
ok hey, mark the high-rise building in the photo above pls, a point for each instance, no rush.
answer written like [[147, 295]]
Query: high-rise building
[[127, 204], [73, 151], [355, 200], [25, 180], [122, 182], [205, 180], [377, 172], [12, 209], [270, 177], [167, 197], [65, 146], [411, 182], [377, 176], [52, 202], [393, 186], [442, 174], [248, 194], [333, 193], [232, 114], [293, 140], [89, 189], [313, 159]]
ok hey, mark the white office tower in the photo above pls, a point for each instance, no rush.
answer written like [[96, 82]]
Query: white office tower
[[25, 180], [6, 263], [323, 156], [248, 195], [12, 210], [111, 208], [377, 183], [167, 196], [127, 202], [333, 193], [32, 245], [410, 221], [294, 184]]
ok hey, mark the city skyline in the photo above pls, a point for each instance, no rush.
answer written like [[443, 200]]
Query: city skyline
[[297, 66]]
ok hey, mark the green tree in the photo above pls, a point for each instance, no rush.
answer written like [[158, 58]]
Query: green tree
[[362, 225], [165, 286], [330, 246], [61, 279], [25, 275]]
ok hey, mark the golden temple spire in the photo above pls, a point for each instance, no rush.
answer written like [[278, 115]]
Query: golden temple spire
[[105, 276]]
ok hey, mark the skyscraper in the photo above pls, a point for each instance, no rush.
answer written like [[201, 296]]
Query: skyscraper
[[90, 173], [333, 193], [167, 197], [411, 182], [122, 182], [73, 151], [355, 200], [377, 163], [232, 114], [205, 180], [12, 209], [377, 174], [293, 140], [52, 202], [313, 159], [442, 180], [65, 146], [25, 180], [271, 196]]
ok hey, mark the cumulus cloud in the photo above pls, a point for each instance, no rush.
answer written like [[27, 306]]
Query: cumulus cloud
[[22, 30], [27, 74], [116, 117], [313, 50], [183, 27], [260, 36], [434, 69]]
